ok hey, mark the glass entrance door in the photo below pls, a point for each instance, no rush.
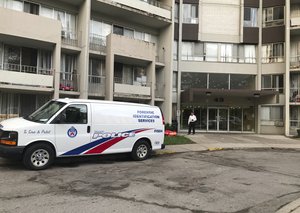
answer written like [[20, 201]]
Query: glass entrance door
[[217, 119]]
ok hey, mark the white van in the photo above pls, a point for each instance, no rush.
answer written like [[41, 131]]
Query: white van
[[75, 127]]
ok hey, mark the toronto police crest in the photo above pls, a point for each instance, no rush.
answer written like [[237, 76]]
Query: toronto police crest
[[72, 132]]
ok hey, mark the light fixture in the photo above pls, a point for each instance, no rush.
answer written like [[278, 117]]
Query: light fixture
[[256, 95], [208, 93]]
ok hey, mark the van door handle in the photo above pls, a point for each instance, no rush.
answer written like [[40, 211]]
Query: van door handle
[[88, 129]]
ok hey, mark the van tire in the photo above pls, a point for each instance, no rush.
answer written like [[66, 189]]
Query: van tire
[[38, 156], [141, 150]]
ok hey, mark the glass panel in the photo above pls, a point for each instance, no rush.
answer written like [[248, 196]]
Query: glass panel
[[218, 81], [211, 52], [193, 80], [14, 5], [223, 119], [31, 8], [47, 12], [203, 118], [212, 119], [238, 81], [118, 30], [248, 119], [235, 119]]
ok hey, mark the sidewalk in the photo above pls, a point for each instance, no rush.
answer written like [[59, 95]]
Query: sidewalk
[[209, 142], [212, 142]]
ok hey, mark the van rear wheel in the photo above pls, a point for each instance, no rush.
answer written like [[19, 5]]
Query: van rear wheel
[[38, 157], [141, 150]]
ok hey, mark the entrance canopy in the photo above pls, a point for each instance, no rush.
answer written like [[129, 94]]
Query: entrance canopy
[[194, 94]]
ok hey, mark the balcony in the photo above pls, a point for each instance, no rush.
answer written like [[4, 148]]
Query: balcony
[[69, 82], [23, 75], [69, 38], [96, 85], [295, 62], [97, 42], [128, 89]]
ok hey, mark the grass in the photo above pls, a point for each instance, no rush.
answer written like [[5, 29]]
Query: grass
[[177, 140]]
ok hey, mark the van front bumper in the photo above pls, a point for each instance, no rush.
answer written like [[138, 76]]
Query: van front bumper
[[11, 151]]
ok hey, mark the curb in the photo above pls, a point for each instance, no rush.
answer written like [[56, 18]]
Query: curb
[[293, 207]]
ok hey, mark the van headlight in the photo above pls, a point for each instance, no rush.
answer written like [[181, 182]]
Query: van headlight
[[9, 138]]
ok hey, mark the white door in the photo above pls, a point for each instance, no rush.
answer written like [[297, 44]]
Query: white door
[[72, 130]]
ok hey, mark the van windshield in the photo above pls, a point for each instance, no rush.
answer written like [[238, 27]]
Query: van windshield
[[43, 114]]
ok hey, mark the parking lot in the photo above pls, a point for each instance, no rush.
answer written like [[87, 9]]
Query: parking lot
[[253, 180]]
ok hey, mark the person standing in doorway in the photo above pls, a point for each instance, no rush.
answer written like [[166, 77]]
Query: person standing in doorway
[[192, 122]]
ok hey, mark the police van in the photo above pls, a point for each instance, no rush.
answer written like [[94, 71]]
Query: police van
[[76, 127]]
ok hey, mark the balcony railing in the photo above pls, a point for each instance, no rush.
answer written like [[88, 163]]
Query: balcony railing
[[69, 81], [157, 4], [142, 83], [272, 59], [69, 38], [96, 84], [224, 59], [295, 62], [97, 42], [26, 69]]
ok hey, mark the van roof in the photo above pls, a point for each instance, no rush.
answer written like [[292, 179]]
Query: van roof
[[73, 100]]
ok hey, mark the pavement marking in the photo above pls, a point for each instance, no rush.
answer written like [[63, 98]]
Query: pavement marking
[[215, 149]]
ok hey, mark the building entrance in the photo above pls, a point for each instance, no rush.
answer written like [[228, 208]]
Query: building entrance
[[221, 119]]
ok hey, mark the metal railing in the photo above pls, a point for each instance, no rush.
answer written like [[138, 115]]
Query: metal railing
[[96, 84], [272, 59], [157, 4], [190, 20], [97, 42], [223, 59], [119, 80], [69, 38], [273, 23], [295, 62], [26, 69], [69, 81]]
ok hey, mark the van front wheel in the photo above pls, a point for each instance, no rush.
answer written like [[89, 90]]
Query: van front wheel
[[141, 150], [38, 157]]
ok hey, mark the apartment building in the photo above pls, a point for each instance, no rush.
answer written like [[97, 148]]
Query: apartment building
[[236, 65], [98, 49]]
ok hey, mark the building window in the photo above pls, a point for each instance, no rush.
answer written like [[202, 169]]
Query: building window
[[190, 13], [31, 8], [250, 17], [273, 16], [218, 81], [272, 115], [295, 87], [272, 53], [176, 12], [239, 81], [68, 20], [192, 51], [175, 81], [175, 50], [193, 80], [272, 82], [211, 52], [68, 75], [130, 74]]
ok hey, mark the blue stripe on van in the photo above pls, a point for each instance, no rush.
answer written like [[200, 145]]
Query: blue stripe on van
[[85, 147]]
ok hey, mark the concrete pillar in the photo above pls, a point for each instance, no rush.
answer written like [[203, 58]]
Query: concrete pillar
[[109, 68], [178, 114], [259, 66], [56, 66], [151, 78], [287, 69], [83, 59]]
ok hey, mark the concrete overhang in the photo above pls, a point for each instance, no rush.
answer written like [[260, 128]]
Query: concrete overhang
[[193, 93], [132, 15]]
